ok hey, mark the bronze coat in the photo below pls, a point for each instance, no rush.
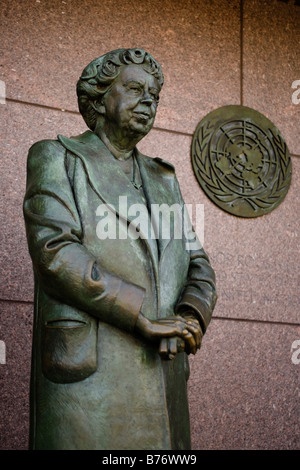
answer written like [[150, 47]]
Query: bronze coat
[[95, 384]]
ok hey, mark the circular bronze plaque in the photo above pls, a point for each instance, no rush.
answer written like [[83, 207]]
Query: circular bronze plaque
[[241, 161]]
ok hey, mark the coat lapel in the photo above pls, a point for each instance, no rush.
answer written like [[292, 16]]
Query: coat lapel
[[103, 171], [157, 195], [110, 182]]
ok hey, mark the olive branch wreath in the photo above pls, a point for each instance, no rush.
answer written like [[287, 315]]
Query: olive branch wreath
[[206, 176]]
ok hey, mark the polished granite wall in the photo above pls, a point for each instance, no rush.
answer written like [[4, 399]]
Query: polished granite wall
[[244, 386]]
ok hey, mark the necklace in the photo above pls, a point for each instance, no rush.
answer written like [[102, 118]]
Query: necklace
[[133, 181]]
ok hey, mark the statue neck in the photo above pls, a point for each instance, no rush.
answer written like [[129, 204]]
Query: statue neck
[[120, 152]]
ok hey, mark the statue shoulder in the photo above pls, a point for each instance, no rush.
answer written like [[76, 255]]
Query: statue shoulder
[[159, 166], [45, 150], [164, 164], [45, 146]]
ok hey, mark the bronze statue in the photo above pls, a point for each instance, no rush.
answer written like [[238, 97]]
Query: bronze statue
[[115, 316]]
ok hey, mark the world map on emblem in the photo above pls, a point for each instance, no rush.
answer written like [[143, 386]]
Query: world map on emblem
[[241, 161]]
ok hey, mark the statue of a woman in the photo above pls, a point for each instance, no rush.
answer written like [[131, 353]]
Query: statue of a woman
[[116, 311]]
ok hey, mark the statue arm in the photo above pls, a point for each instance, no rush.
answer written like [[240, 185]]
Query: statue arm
[[199, 295], [198, 298], [66, 270]]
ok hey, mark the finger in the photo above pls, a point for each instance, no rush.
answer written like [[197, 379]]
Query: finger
[[160, 330], [180, 344], [190, 318], [169, 328], [179, 321], [196, 331], [163, 347], [194, 323], [166, 328], [172, 346], [197, 337], [191, 343], [187, 329]]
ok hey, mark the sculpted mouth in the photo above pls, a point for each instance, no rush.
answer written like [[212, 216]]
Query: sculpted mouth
[[142, 114]]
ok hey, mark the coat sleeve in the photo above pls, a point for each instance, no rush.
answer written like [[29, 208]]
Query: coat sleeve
[[65, 269], [199, 293]]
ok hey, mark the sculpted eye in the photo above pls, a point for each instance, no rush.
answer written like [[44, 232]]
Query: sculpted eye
[[135, 88], [155, 97]]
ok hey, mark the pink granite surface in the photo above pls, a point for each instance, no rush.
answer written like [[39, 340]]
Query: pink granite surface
[[196, 42], [22, 125], [244, 388], [15, 331], [256, 260], [271, 63]]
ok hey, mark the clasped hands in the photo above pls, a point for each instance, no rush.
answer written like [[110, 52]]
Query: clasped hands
[[174, 334]]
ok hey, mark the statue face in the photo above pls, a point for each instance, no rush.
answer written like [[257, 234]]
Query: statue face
[[131, 103]]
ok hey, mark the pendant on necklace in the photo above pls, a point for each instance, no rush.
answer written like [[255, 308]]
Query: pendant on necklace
[[137, 186]]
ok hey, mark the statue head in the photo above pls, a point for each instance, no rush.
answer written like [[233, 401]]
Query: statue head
[[99, 76]]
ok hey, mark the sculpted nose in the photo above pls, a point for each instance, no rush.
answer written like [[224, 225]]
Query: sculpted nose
[[147, 101], [147, 98]]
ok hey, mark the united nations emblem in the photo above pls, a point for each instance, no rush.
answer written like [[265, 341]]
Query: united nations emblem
[[241, 161]]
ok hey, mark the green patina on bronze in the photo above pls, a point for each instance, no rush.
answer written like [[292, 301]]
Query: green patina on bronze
[[241, 161], [115, 317]]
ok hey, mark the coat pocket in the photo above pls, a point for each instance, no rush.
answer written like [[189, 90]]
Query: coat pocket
[[69, 350]]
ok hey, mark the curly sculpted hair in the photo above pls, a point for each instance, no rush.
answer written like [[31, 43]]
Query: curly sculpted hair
[[99, 75]]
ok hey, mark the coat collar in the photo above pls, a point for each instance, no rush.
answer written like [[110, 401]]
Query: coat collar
[[102, 168]]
